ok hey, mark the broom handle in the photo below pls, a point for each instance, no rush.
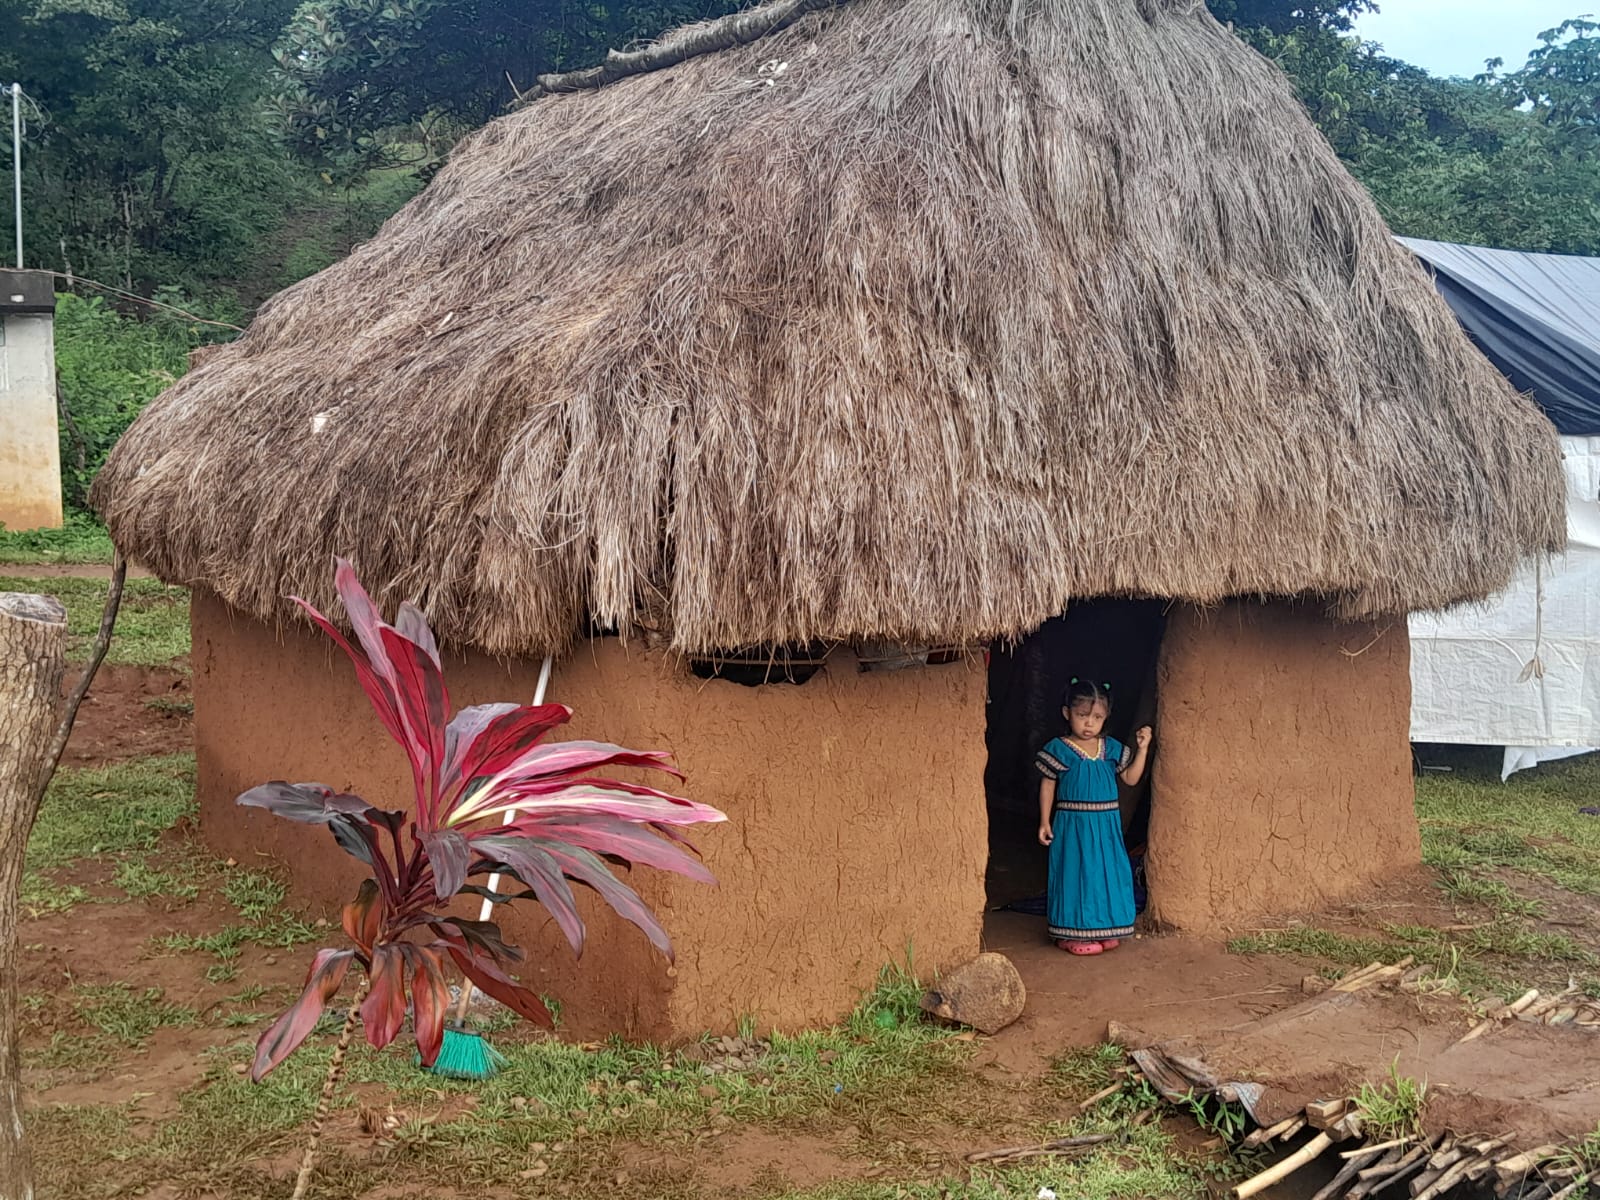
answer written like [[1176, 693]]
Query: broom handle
[[494, 880]]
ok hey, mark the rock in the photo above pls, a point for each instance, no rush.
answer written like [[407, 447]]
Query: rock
[[1313, 985], [986, 993]]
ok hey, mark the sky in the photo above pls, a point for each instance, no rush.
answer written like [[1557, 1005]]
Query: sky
[[1453, 37]]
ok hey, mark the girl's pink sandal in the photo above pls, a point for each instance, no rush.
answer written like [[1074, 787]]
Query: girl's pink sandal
[[1080, 948], [1111, 944]]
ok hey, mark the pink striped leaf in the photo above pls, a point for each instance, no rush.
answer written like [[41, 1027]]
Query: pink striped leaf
[[581, 865], [627, 840], [542, 874], [295, 1025]]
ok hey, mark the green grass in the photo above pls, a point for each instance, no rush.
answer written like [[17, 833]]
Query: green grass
[[1531, 824], [152, 623], [1392, 1109], [142, 881], [104, 812], [129, 1017], [81, 541]]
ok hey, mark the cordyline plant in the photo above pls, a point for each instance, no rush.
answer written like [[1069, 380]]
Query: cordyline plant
[[490, 798]]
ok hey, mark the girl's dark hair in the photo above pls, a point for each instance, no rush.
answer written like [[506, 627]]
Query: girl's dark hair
[[1086, 689]]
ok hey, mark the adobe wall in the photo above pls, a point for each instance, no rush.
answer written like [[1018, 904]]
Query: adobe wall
[[30, 448], [855, 802], [1282, 767]]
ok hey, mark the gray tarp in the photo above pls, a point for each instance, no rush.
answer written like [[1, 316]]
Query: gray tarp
[[1536, 317]]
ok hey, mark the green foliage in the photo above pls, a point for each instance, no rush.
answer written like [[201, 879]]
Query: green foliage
[[152, 623], [152, 162], [108, 367], [361, 85], [81, 540], [1392, 1109], [1499, 160]]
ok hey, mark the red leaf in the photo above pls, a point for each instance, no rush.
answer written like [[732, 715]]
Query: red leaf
[[424, 705], [362, 916], [448, 854], [384, 1009], [492, 981], [430, 999], [377, 689], [413, 626], [462, 731], [509, 736], [307, 803], [541, 873], [574, 758], [295, 1025], [587, 869], [624, 839]]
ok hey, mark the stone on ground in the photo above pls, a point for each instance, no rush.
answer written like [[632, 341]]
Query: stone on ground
[[986, 993]]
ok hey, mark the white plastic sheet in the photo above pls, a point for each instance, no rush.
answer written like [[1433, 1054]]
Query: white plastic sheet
[[1468, 664]]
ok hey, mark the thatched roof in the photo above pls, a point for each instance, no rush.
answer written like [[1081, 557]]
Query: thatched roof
[[913, 318]]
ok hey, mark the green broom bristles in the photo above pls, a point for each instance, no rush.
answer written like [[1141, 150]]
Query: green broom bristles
[[465, 1055]]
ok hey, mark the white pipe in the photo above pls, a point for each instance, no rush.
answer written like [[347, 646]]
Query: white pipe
[[538, 699], [16, 163]]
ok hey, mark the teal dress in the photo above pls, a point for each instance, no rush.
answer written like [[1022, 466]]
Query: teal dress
[[1091, 881]]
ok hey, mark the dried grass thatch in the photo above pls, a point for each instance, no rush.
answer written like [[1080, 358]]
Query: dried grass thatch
[[915, 319]]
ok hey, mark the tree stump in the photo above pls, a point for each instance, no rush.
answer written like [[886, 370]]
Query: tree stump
[[33, 642]]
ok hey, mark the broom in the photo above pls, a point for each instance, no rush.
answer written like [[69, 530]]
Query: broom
[[464, 1053]]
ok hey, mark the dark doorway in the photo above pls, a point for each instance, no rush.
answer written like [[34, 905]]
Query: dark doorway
[[1115, 641]]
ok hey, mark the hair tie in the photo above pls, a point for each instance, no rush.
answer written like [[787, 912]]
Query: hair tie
[[1074, 679]]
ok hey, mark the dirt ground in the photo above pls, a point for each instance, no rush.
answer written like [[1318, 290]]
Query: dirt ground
[[1221, 1004]]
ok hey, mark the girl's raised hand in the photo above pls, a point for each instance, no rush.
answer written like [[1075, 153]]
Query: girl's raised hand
[[1141, 737], [1046, 836]]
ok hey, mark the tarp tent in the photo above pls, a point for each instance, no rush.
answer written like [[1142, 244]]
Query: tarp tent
[[1523, 671]]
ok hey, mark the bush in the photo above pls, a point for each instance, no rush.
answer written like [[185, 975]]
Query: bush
[[108, 367]]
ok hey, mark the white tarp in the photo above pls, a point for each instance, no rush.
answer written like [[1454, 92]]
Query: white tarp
[[1467, 665]]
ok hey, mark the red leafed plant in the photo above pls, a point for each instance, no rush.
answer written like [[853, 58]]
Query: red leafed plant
[[490, 797]]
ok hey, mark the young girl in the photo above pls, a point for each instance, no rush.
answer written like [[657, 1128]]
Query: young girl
[[1091, 884]]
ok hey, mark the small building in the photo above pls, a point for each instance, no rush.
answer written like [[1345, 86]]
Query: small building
[[30, 444], [1006, 341]]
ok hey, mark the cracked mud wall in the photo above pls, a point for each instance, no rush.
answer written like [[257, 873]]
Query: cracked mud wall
[[1283, 767], [856, 825]]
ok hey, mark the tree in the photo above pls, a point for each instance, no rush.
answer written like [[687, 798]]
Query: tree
[[362, 84], [154, 162]]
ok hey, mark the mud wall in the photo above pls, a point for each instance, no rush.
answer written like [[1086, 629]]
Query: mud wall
[[856, 816], [1282, 774]]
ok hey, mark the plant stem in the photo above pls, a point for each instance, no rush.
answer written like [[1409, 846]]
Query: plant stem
[[335, 1068]]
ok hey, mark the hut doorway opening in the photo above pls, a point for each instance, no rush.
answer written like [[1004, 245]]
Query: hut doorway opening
[[1115, 641]]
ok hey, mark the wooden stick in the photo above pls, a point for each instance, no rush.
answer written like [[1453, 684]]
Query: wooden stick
[[1508, 1170], [1572, 1188], [1527, 998], [1355, 1161], [1261, 1137], [1367, 977], [1324, 1114], [1371, 1180], [1295, 1127], [1446, 1155], [1285, 1168], [1448, 1180], [1102, 1094], [1360, 1150], [1058, 1146]]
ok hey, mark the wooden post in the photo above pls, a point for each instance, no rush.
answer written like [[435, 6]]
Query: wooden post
[[33, 641]]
